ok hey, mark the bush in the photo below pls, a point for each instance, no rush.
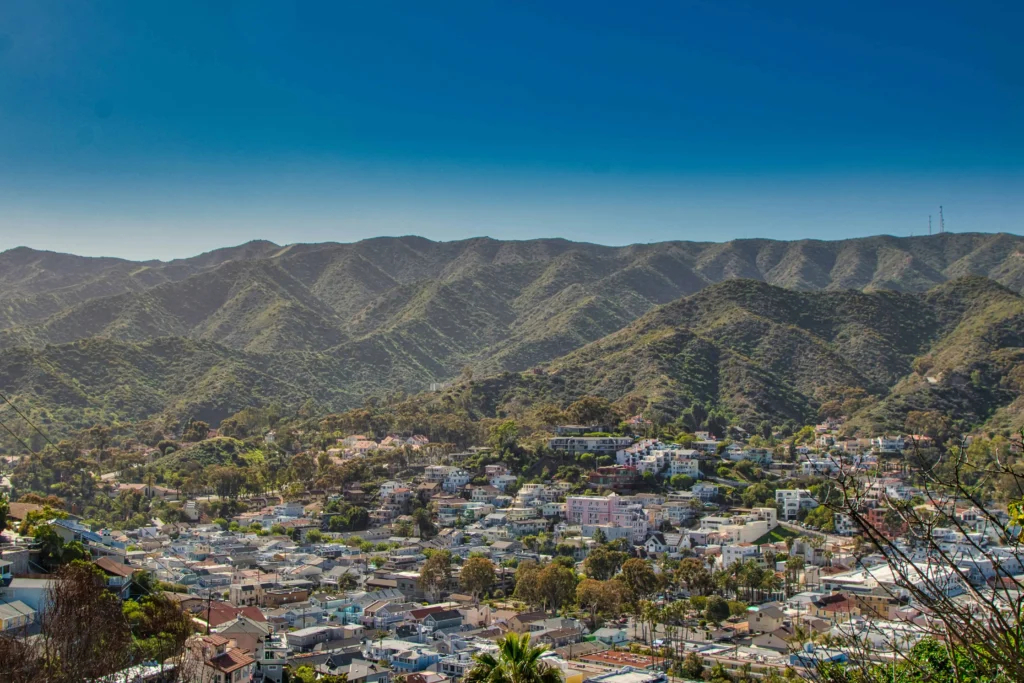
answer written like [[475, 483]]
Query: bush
[[681, 482]]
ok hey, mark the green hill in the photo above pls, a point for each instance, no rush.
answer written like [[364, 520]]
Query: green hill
[[763, 328]]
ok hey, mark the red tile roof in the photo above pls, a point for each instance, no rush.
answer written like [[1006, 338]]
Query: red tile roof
[[230, 660], [223, 613], [419, 614], [111, 567]]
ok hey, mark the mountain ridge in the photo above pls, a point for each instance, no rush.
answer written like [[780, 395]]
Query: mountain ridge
[[399, 313]]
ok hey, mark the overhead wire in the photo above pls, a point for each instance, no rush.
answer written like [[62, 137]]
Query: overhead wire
[[26, 419], [18, 438]]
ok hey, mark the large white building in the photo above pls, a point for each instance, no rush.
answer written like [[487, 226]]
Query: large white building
[[813, 466], [792, 501], [457, 479], [685, 462], [598, 445]]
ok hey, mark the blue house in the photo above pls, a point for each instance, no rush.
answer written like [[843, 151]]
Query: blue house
[[415, 659]]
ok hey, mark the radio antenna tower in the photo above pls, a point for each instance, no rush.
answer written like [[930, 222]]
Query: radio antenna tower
[[942, 222], [929, 225]]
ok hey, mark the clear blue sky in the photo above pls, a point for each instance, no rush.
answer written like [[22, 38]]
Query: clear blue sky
[[146, 129]]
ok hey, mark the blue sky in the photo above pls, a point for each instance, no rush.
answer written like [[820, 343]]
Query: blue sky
[[165, 129]]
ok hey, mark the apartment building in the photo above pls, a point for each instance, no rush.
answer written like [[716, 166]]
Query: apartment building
[[792, 501], [598, 445], [614, 510]]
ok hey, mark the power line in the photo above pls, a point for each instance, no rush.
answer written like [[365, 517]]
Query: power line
[[20, 440], [25, 418]]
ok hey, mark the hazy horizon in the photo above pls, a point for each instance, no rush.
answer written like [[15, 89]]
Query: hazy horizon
[[487, 237]]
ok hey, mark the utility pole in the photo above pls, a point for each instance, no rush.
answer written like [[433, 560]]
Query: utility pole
[[929, 225], [942, 222], [209, 598]]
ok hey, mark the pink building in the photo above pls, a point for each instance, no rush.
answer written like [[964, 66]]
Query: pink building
[[613, 509]]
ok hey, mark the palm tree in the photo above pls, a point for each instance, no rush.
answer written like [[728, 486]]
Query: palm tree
[[516, 662]]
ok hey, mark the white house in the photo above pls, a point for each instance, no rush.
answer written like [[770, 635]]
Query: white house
[[792, 501]]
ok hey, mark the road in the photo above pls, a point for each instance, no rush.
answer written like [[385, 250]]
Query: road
[[735, 483], [831, 538]]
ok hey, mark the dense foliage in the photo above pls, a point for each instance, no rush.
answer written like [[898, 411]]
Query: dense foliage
[[316, 327]]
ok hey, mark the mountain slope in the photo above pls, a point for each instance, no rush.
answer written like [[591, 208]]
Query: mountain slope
[[762, 352], [666, 324], [484, 303]]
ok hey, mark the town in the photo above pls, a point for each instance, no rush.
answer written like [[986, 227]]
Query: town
[[638, 559]]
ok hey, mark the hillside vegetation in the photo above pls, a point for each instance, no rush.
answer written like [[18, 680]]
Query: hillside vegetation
[[763, 329]]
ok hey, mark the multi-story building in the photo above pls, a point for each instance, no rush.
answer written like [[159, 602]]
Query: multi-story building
[[216, 661], [614, 477], [633, 453], [887, 444], [709, 446], [274, 657], [815, 466], [437, 473], [792, 501], [685, 462], [613, 509], [502, 481], [517, 528], [456, 480], [598, 445], [678, 512], [705, 492], [845, 526], [739, 552]]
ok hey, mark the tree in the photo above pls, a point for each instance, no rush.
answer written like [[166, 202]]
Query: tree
[[598, 596], [83, 634], [969, 637], [822, 517], [424, 523], [556, 585], [516, 662], [52, 550], [307, 674], [436, 572], [696, 576], [592, 410], [159, 627], [5, 509], [167, 446], [717, 609], [195, 430], [314, 536], [681, 482], [226, 480], [929, 423], [477, 576], [639, 579], [73, 552], [526, 582], [602, 563], [303, 468], [504, 436], [692, 667], [346, 517]]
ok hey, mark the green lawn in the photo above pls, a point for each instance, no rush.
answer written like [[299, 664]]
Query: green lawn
[[776, 535]]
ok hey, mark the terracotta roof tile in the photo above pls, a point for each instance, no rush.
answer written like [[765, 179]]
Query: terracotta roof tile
[[230, 660]]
